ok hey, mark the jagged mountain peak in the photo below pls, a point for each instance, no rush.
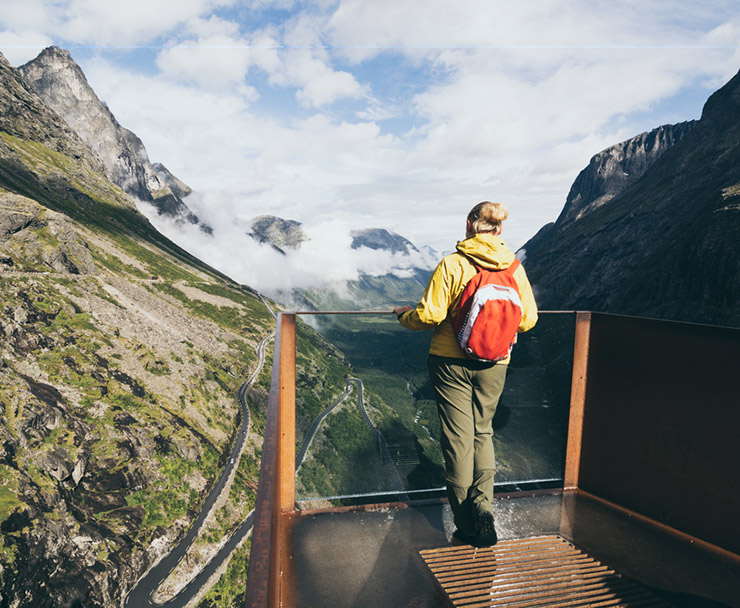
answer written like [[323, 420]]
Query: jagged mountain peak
[[56, 52], [61, 83], [380, 238], [24, 114], [277, 232]]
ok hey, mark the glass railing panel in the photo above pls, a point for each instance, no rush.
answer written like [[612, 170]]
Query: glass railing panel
[[531, 422], [366, 423]]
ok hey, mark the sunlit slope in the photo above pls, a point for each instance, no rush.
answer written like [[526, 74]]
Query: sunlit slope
[[122, 356]]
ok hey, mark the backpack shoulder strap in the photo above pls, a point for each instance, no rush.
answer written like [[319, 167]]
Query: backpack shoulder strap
[[514, 265]]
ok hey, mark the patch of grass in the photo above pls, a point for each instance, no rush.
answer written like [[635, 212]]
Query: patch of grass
[[160, 266], [231, 587], [9, 500], [257, 310], [224, 316], [116, 266], [169, 498]]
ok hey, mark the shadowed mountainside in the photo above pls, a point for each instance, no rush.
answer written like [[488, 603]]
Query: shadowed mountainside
[[662, 245]]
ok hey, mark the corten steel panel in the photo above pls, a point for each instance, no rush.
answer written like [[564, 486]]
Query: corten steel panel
[[260, 556], [577, 399], [286, 415], [661, 422]]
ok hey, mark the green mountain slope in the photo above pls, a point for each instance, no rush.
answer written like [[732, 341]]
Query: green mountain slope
[[120, 360]]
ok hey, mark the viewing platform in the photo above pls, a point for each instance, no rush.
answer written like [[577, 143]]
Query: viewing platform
[[630, 495]]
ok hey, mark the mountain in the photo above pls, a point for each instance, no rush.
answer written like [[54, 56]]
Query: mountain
[[610, 173], [121, 356], [408, 269], [277, 232], [379, 238], [60, 82], [178, 188], [660, 241]]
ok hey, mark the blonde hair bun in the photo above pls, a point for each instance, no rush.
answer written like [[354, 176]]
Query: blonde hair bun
[[487, 217]]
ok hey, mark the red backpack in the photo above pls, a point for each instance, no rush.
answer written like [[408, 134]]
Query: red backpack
[[490, 312]]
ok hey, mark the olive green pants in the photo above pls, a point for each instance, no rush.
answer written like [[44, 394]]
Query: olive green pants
[[467, 394]]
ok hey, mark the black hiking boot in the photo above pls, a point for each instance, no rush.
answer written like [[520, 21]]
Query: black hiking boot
[[465, 539], [487, 536]]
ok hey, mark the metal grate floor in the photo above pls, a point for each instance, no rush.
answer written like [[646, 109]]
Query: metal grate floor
[[533, 572]]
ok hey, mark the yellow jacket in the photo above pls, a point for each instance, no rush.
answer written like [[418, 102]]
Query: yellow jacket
[[441, 298]]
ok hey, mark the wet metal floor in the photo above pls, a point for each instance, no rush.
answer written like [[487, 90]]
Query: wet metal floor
[[371, 557], [543, 571]]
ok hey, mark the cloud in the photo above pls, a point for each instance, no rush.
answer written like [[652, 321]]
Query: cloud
[[129, 22], [432, 26], [215, 57], [20, 47], [320, 84], [388, 114], [325, 259]]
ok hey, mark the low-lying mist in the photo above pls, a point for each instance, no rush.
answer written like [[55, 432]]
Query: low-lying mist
[[325, 260]]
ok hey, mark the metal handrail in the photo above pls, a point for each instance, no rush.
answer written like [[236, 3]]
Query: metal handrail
[[276, 494], [623, 368]]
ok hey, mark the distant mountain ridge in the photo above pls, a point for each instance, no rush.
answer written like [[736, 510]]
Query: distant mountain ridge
[[397, 285], [381, 239], [277, 232], [660, 242], [60, 82]]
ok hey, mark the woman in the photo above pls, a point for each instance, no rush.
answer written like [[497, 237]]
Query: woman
[[467, 391]]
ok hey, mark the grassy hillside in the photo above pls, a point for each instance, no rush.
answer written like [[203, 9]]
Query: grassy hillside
[[120, 361]]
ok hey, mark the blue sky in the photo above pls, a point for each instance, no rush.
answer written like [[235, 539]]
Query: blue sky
[[399, 114]]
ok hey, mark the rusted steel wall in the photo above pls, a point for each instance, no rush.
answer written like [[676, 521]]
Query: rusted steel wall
[[263, 575], [661, 423]]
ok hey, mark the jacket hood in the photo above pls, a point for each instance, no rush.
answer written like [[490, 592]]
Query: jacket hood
[[487, 250]]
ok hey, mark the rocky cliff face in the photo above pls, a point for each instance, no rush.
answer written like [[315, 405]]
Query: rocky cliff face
[[608, 174], [615, 169], [120, 358], [27, 117], [118, 403], [660, 242], [177, 186], [59, 81]]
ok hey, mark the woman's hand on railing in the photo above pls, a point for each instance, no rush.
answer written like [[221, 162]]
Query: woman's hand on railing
[[399, 310]]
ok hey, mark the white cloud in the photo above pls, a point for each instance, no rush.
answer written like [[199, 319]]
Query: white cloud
[[320, 84], [128, 22], [297, 118], [20, 47], [211, 63], [211, 53], [326, 258]]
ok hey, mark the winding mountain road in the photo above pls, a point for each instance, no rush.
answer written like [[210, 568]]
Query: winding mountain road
[[396, 481], [311, 433], [140, 595]]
